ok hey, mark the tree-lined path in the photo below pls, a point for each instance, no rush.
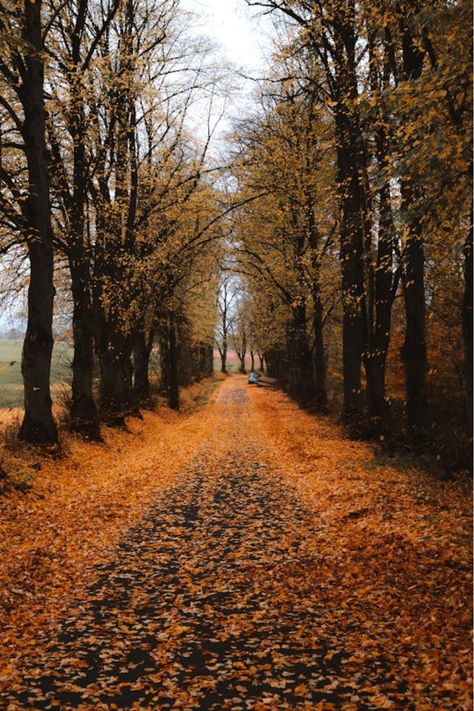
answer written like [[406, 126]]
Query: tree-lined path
[[240, 588], [282, 187]]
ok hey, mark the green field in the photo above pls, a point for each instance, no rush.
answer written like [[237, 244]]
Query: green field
[[11, 383]]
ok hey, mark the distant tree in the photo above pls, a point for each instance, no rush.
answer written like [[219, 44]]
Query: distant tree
[[225, 300]]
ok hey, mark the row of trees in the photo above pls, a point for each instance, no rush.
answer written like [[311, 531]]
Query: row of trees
[[110, 197], [360, 154], [236, 322], [349, 216]]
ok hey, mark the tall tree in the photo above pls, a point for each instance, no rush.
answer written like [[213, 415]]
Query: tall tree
[[71, 166], [225, 299], [22, 70]]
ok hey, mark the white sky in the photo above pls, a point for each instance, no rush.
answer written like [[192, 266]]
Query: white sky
[[235, 27], [242, 41]]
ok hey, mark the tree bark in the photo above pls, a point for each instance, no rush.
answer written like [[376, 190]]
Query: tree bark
[[115, 378], [414, 348], [467, 319], [241, 350], [379, 334], [209, 360], [352, 221], [223, 355], [141, 360], [354, 319], [173, 364], [382, 281], [38, 425], [84, 414], [319, 355], [276, 364], [301, 368], [319, 351]]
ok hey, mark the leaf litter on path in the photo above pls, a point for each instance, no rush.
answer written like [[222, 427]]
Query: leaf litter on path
[[259, 574]]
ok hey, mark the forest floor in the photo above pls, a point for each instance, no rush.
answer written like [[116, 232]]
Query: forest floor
[[242, 555]]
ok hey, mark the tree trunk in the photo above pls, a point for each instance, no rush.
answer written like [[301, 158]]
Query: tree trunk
[[376, 403], [352, 206], [141, 360], [467, 319], [188, 363], [261, 361], [209, 360], [319, 356], [223, 355], [302, 385], [382, 281], [173, 364], [38, 424], [354, 320], [379, 335], [275, 360], [84, 415], [242, 352], [414, 348], [115, 378], [319, 352], [252, 361]]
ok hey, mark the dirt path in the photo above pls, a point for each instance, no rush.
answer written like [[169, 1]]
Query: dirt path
[[209, 603]]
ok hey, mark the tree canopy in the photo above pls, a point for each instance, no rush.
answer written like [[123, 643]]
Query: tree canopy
[[338, 217]]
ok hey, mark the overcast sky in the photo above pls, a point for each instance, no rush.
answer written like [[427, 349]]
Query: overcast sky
[[236, 28], [241, 37]]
